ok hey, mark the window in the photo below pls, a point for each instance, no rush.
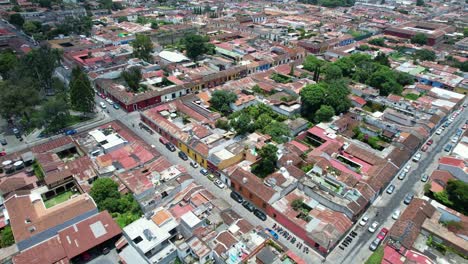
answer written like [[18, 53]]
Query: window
[[137, 239]]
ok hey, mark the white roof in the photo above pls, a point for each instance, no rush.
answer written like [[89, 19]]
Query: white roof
[[97, 135], [190, 219], [446, 93], [172, 56], [136, 229]]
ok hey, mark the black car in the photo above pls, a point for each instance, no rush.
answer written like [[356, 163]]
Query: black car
[[182, 155], [408, 198], [170, 147], [237, 197], [260, 215], [3, 141], [248, 206]]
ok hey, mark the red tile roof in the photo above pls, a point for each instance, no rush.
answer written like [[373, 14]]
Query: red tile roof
[[50, 251], [253, 184], [89, 233], [452, 162]]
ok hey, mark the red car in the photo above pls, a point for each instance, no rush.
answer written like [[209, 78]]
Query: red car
[[430, 142], [382, 234]]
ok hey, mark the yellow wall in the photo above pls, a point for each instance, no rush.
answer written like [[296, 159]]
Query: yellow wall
[[229, 162], [191, 154]]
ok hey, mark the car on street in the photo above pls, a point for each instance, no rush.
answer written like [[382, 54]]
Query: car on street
[[454, 139], [396, 214], [272, 233], [102, 105], [459, 132], [424, 177], [407, 168], [108, 100], [448, 147], [390, 189], [424, 148], [116, 106], [417, 157], [211, 177], [364, 221], [170, 147], [3, 141], [375, 244], [70, 132], [464, 126], [248, 205], [382, 234], [260, 215], [402, 175], [373, 227], [204, 172], [430, 141], [439, 131], [194, 164], [408, 198], [182, 155], [236, 197], [105, 251], [219, 183]]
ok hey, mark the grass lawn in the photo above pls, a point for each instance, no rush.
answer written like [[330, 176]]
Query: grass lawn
[[412, 96], [376, 257], [58, 199], [124, 220]]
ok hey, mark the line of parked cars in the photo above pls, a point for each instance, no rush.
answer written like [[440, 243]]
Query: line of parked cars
[[248, 205]]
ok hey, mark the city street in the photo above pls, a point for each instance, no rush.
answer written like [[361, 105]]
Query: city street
[[358, 250]]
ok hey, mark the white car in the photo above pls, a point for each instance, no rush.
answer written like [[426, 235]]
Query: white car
[[373, 227], [439, 131], [364, 221], [396, 214], [219, 183], [102, 105], [407, 168], [454, 139], [109, 101], [417, 157]]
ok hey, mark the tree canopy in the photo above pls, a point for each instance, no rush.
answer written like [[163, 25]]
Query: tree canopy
[[16, 19], [142, 47], [132, 77], [221, 100], [457, 192], [41, 64], [267, 164], [8, 61], [425, 55], [81, 92], [419, 38], [324, 114], [196, 45], [6, 237], [377, 42]]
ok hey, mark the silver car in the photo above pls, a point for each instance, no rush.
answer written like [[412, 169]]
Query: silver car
[[375, 244]]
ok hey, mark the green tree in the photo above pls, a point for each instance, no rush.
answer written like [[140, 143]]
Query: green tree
[[45, 3], [142, 47], [384, 80], [6, 237], [17, 98], [242, 124], [465, 32], [30, 27], [104, 188], [382, 59], [122, 19], [16, 19], [262, 121], [154, 25], [81, 92], [333, 94], [311, 63], [324, 114], [419, 38], [55, 114], [41, 64], [267, 163], [8, 61], [425, 55], [197, 45], [221, 100], [332, 72], [132, 77], [312, 98], [419, 2], [222, 124], [377, 42], [278, 131], [296, 204], [457, 192]]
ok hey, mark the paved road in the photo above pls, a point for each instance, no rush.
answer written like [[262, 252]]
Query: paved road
[[357, 251], [131, 121]]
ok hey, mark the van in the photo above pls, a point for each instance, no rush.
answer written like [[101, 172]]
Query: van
[[163, 140]]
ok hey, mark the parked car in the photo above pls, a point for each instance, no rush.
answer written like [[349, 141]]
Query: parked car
[[390, 189], [382, 234], [402, 175], [272, 233], [364, 221], [211, 177], [204, 172], [163, 140], [464, 126], [448, 148], [116, 106], [236, 197], [424, 148], [249, 206], [109, 101], [373, 226], [408, 198], [439, 131], [430, 141], [407, 168], [3, 141], [396, 214], [260, 215], [454, 139], [219, 183], [424, 177], [182, 155], [70, 132], [102, 105], [417, 157], [375, 244], [194, 164], [170, 147], [105, 251]]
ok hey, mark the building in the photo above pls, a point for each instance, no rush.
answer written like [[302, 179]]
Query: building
[[456, 167], [435, 33]]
